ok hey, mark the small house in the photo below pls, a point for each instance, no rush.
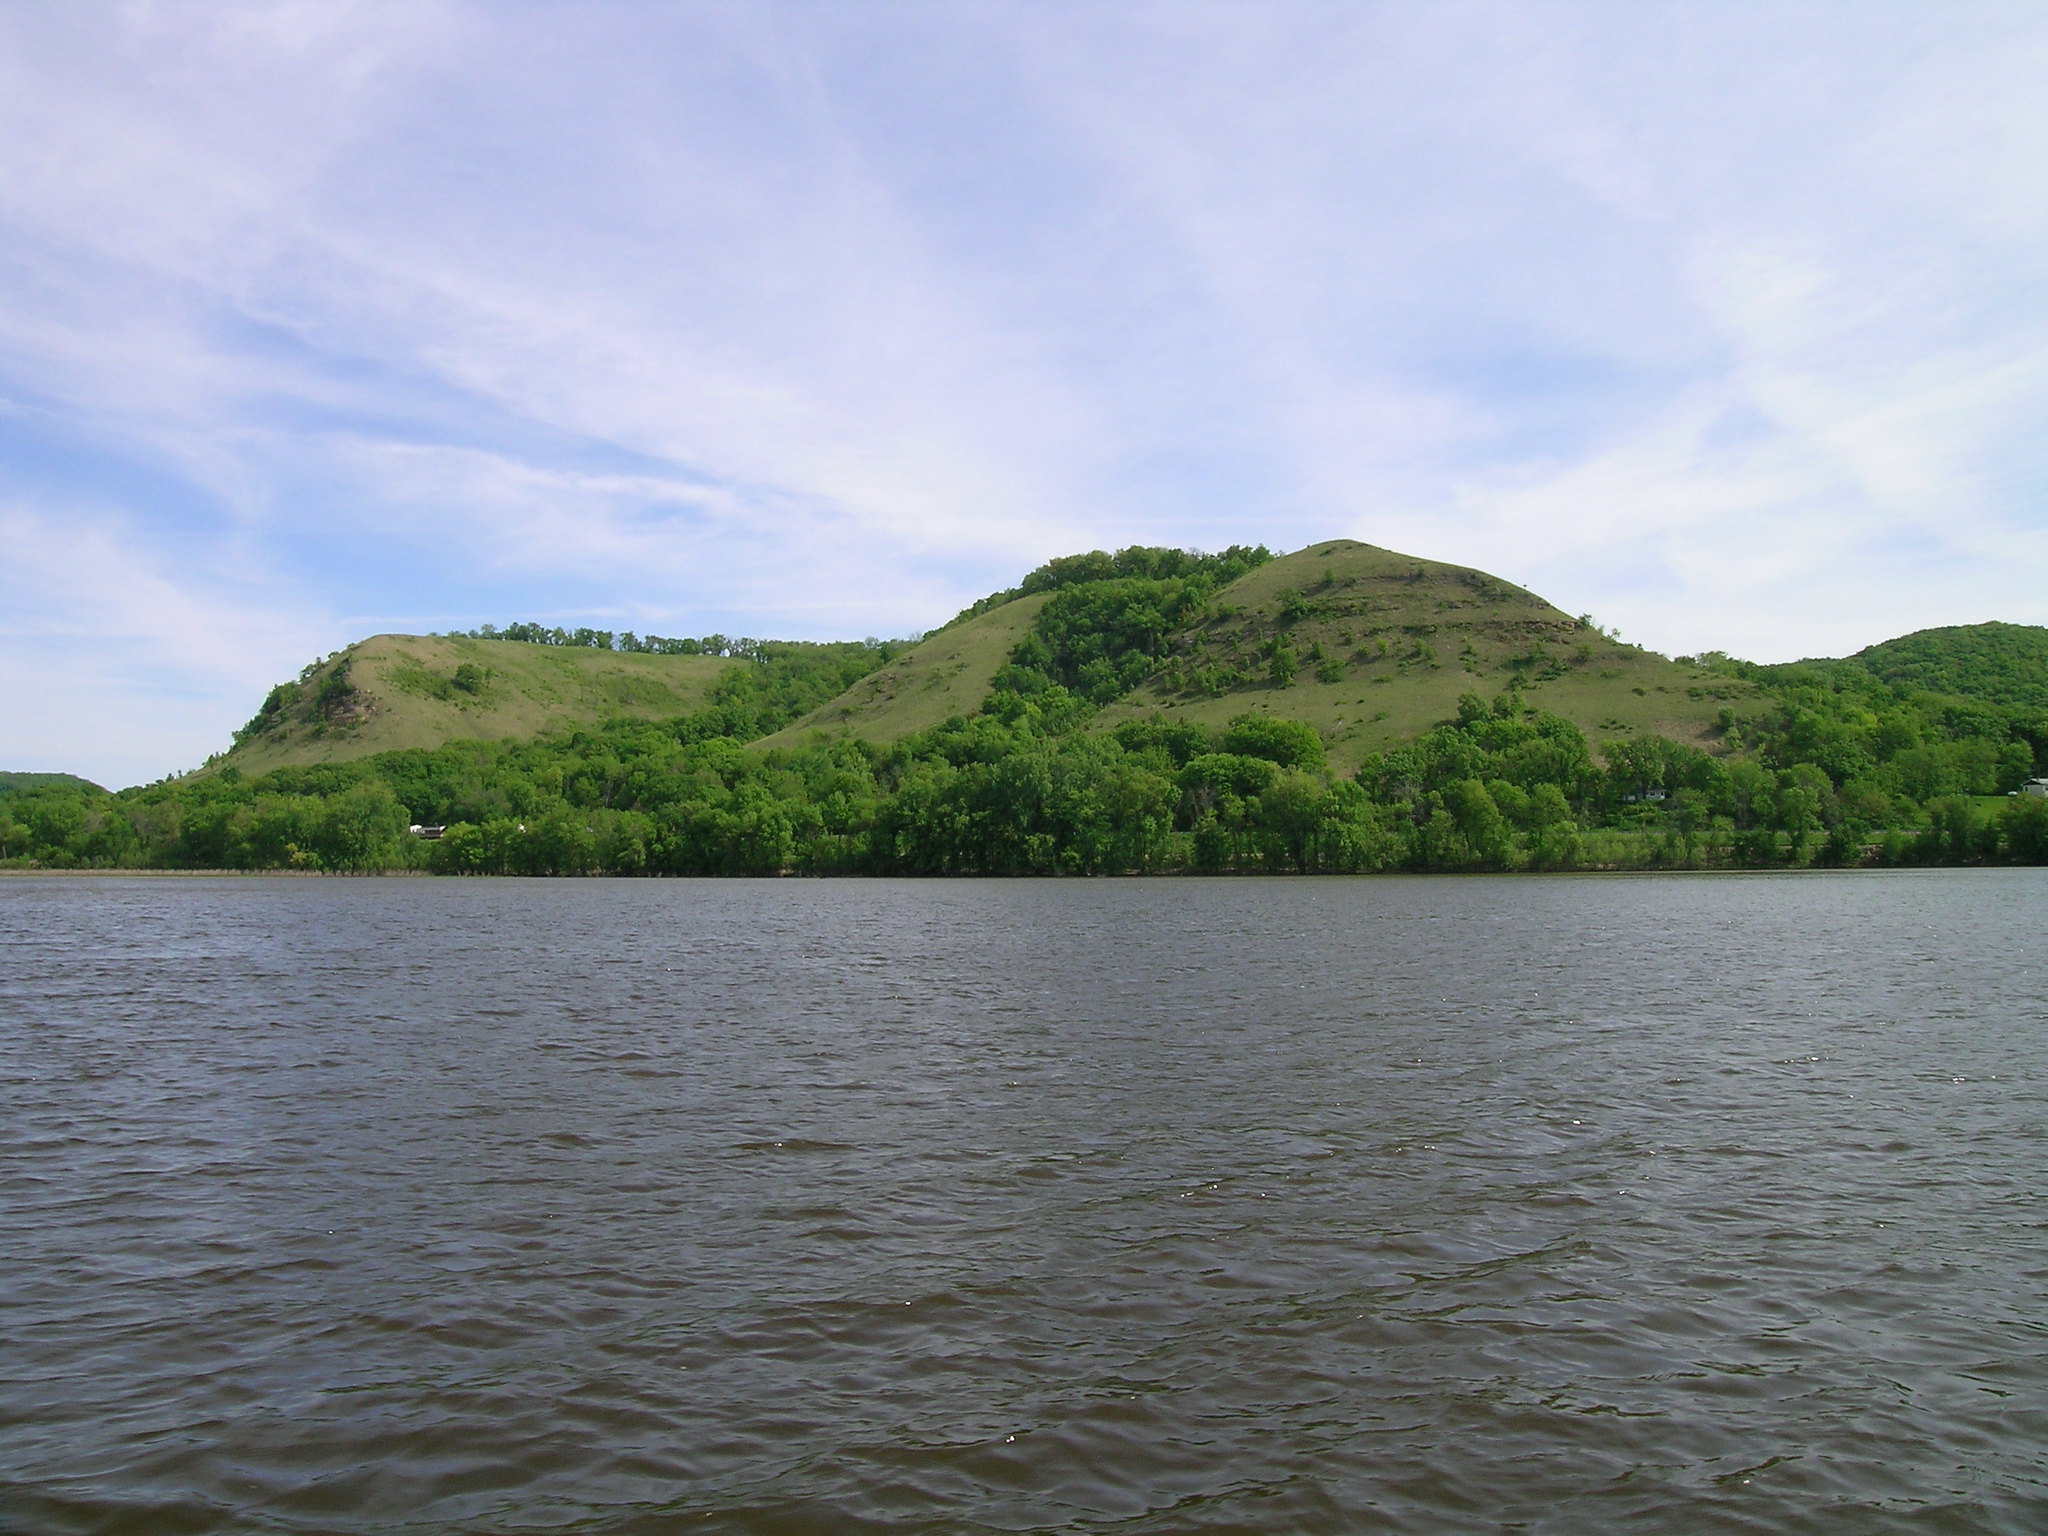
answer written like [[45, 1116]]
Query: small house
[[2035, 787]]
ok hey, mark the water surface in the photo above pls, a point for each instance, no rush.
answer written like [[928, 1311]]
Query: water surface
[[1409, 1205]]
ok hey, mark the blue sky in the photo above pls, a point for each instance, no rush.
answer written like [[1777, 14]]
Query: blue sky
[[1727, 323]]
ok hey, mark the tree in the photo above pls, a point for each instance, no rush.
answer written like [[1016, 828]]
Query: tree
[[1283, 665], [1957, 829], [1480, 824], [1804, 794], [2024, 825], [1290, 821], [1354, 836], [361, 828], [1463, 829], [278, 832], [1172, 742], [1553, 836], [1208, 778], [1290, 743]]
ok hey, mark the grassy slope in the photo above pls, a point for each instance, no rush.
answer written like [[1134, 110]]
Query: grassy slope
[[1366, 599], [405, 699], [1373, 597], [947, 675], [1411, 635]]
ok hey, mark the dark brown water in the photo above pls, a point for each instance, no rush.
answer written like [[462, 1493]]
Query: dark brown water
[[1553, 1205]]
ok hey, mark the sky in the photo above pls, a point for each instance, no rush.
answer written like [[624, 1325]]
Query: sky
[[1726, 323]]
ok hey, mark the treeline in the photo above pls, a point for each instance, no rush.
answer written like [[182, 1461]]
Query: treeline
[[1922, 795], [1024, 788], [1111, 618], [1138, 562], [740, 646]]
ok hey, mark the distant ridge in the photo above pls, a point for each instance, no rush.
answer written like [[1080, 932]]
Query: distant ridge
[[45, 781], [2001, 663]]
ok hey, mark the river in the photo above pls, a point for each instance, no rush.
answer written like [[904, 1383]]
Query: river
[[1562, 1204]]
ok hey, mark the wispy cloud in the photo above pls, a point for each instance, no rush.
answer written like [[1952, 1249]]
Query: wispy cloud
[[124, 663], [1726, 322]]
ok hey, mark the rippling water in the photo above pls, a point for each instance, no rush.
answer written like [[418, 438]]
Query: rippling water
[[1682, 1204]]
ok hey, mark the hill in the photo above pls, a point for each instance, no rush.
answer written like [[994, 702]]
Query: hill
[[395, 691], [1372, 648], [948, 674], [14, 781], [2004, 664], [1344, 709], [1368, 646]]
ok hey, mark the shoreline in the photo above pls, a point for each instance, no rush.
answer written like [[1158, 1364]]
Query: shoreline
[[239, 874], [793, 876]]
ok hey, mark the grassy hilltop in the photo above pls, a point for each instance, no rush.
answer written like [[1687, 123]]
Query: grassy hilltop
[[395, 691], [1376, 647], [1369, 647]]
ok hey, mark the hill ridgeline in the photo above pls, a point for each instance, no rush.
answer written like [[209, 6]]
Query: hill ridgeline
[[1341, 709]]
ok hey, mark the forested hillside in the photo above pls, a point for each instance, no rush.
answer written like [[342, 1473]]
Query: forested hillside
[[2005, 664], [1344, 709], [72, 781]]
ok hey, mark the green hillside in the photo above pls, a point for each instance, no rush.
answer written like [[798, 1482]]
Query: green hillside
[[1345, 709], [11, 781], [1370, 647], [395, 691], [948, 674], [1373, 648], [2005, 664]]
